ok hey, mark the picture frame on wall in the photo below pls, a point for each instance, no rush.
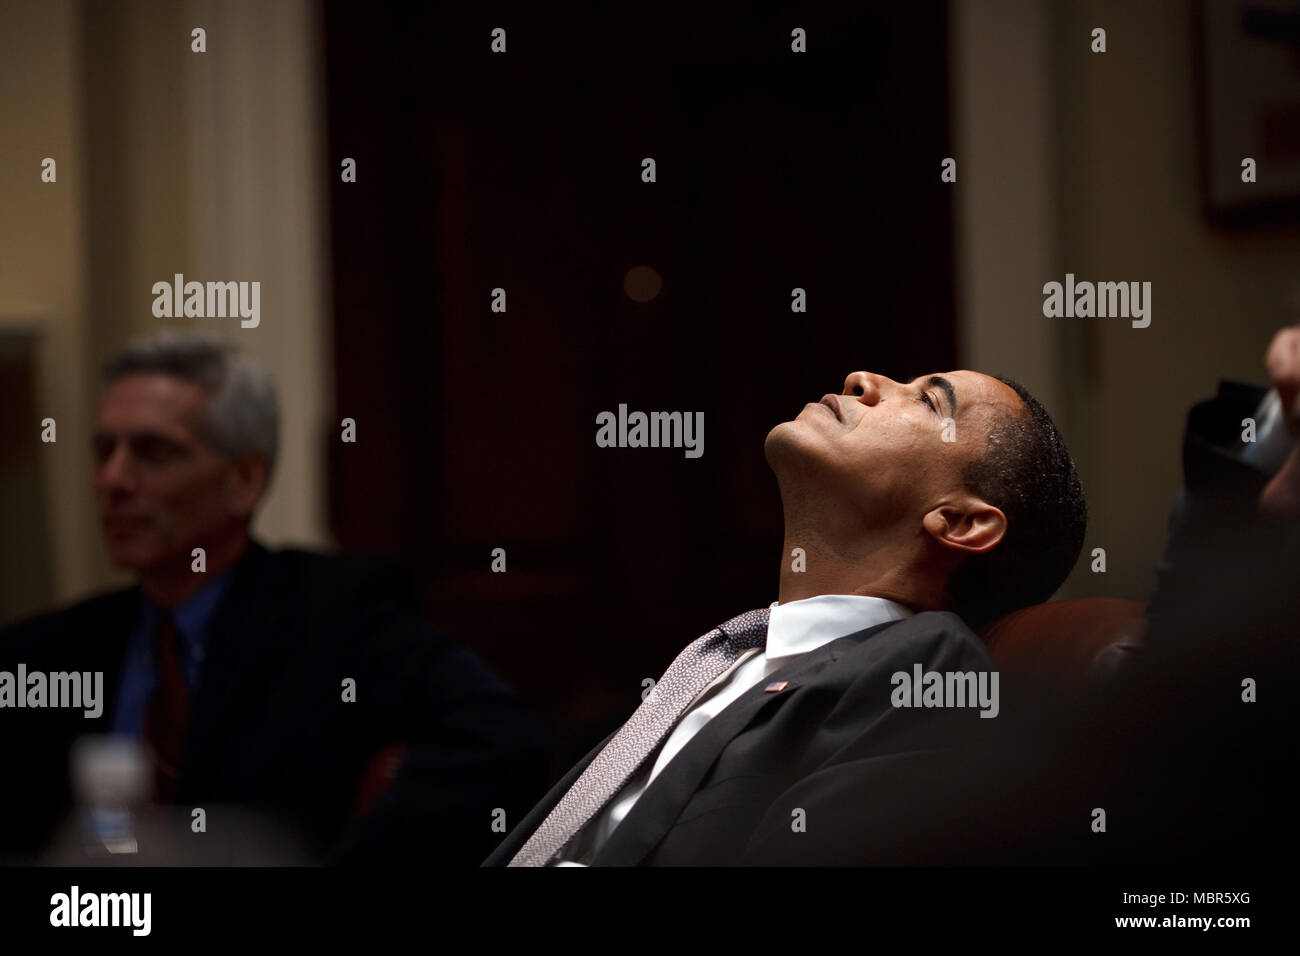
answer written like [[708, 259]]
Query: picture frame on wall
[[1250, 108]]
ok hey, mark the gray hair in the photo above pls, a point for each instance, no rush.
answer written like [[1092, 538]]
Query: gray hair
[[242, 417]]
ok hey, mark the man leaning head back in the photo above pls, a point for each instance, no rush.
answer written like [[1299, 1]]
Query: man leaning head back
[[953, 491]]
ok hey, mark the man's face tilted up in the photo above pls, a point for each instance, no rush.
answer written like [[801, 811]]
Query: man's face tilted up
[[871, 482]]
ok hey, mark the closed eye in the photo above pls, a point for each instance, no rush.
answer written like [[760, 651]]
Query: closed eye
[[925, 397]]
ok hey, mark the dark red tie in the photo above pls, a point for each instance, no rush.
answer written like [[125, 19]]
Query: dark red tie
[[169, 709]]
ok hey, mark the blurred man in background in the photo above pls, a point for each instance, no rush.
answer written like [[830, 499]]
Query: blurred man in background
[[280, 681]]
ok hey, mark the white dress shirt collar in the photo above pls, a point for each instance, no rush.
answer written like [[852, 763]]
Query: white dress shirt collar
[[801, 626]]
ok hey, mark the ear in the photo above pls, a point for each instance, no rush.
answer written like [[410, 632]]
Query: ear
[[245, 482], [969, 524]]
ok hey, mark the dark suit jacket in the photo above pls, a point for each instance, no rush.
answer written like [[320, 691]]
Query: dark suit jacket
[[1225, 608], [1185, 769], [268, 727], [749, 759], [1216, 509]]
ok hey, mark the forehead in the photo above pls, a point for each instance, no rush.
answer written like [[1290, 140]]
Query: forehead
[[979, 394], [152, 401]]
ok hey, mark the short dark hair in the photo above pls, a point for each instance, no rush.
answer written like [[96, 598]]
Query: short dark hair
[[1026, 471]]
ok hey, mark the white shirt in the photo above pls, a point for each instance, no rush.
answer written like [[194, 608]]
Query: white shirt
[[793, 629]]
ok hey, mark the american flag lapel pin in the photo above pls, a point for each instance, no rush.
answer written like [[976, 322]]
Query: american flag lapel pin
[[775, 687]]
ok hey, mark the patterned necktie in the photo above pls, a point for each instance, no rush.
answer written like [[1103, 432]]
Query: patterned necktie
[[692, 671], [169, 708]]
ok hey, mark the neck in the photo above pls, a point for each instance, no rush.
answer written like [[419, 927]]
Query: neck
[[866, 563], [171, 583]]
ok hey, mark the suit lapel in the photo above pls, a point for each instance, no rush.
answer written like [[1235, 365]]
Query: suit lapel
[[104, 649], [663, 801], [516, 838], [250, 623]]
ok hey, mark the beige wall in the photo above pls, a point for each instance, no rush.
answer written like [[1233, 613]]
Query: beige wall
[[43, 263], [1004, 198], [169, 161], [1123, 204]]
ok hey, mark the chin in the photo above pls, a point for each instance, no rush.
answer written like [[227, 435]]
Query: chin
[[778, 440], [793, 444]]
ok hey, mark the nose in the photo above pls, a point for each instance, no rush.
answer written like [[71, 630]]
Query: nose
[[117, 471], [864, 386]]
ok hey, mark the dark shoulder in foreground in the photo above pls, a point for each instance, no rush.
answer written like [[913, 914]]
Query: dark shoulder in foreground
[[937, 636]]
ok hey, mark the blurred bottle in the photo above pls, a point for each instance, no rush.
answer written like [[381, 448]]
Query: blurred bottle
[[111, 779]]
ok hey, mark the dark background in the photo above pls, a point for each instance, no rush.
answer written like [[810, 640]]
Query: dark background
[[523, 171]]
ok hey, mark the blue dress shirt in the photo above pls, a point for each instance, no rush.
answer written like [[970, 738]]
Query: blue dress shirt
[[140, 669]]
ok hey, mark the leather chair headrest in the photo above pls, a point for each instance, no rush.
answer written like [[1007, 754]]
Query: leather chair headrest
[[1056, 644]]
